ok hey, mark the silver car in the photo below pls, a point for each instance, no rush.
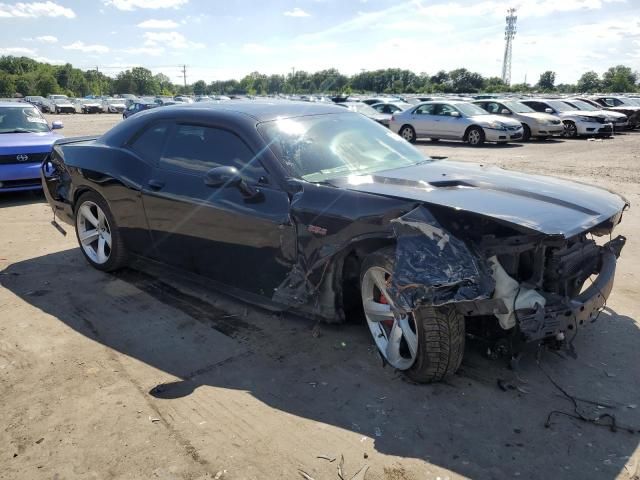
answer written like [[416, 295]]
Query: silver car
[[454, 120], [535, 124]]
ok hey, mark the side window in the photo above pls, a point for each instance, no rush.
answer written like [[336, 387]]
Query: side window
[[424, 110], [195, 149], [445, 110], [616, 102], [493, 107], [149, 143], [537, 106]]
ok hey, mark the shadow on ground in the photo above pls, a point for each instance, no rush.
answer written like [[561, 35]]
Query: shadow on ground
[[486, 422]]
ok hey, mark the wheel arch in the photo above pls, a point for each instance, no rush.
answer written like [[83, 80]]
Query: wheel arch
[[466, 132]]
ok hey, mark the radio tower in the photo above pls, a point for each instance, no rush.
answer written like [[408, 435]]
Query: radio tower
[[509, 33]]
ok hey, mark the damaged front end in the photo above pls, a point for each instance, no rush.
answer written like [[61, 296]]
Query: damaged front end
[[533, 285]]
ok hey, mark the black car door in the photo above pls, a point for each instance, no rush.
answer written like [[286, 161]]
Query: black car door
[[238, 235]]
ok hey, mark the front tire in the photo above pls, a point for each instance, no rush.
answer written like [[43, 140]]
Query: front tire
[[526, 132], [475, 136], [98, 234], [570, 129], [408, 133], [427, 345]]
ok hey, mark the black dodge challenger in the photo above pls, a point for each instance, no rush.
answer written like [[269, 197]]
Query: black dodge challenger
[[296, 206]]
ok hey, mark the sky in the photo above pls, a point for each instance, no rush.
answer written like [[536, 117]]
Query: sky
[[218, 40]]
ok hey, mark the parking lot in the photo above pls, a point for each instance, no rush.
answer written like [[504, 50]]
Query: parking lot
[[145, 375]]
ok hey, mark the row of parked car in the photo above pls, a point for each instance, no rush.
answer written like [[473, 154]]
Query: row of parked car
[[500, 120]]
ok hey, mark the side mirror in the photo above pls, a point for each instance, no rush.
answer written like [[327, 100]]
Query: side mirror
[[548, 110], [228, 176], [455, 114], [57, 125], [505, 111]]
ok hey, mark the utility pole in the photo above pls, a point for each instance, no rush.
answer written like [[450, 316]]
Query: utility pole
[[509, 34], [184, 76]]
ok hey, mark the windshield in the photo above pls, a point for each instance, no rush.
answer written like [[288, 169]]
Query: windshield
[[321, 147], [22, 120], [518, 107], [582, 105], [635, 102], [560, 106], [470, 110]]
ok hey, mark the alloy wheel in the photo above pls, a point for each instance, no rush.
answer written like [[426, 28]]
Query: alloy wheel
[[407, 134], [395, 334], [94, 232], [474, 137]]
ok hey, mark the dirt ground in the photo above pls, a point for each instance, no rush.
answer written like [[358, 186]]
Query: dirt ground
[[138, 376]]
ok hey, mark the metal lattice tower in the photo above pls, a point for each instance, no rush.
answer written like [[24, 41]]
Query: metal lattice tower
[[509, 33]]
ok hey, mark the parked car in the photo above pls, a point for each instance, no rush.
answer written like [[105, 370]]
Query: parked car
[[90, 105], [455, 121], [367, 111], [619, 120], [40, 103], [114, 105], [315, 209], [391, 108], [534, 124], [375, 100], [628, 106], [25, 141], [136, 108], [576, 122], [61, 104]]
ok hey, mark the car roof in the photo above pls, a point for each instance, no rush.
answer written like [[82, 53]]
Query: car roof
[[262, 111]]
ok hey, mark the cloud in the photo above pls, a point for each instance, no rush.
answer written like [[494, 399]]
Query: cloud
[[47, 39], [17, 51], [82, 47], [173, 40], [296, 12], [158, 24], [256, 48], [34, 9], [145, 4]]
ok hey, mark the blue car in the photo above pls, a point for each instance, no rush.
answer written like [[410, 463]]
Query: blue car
[[25, 141]]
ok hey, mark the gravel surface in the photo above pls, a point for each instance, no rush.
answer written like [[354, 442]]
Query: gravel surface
[[140, 375]]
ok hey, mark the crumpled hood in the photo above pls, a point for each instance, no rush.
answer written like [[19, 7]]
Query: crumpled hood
[[544, 204], [27, 142]]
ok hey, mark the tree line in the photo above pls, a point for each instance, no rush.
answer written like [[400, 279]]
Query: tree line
[[22, 76]]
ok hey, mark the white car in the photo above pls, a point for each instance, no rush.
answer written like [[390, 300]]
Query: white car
[[576, 122], [454, 120], [114, 105], [619, 120], [534, 124], [61, 104]]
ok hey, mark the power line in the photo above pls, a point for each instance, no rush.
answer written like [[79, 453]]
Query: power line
[[509, 34]]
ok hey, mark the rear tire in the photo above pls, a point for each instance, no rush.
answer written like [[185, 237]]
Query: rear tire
[[438, 331], [101, 244], [408, 133]]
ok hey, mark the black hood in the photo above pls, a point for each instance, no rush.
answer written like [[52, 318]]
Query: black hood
[[544, 204]]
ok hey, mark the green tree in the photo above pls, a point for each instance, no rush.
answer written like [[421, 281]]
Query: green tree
[[547, 80], [588, 82], [7, 85], [200, 87], [619, 79]]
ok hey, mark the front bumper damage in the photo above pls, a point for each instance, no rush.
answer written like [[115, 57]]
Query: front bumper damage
[[561, 315]]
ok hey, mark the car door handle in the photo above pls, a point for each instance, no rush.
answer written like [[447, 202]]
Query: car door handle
[[155, 184]]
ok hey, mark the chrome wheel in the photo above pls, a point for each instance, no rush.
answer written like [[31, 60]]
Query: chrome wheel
[[408, 134], [474, 137], [394, 333], [94, 232]]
